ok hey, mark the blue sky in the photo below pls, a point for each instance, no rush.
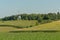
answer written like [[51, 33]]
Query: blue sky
[[13, 7]]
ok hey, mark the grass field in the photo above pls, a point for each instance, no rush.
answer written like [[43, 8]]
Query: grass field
[[18, 34], [55, 25], [6, 26], [30, 36], [18, 23]]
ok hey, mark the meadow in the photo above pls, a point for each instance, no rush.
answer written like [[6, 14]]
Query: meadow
[[18, 23], [8, 30], [55, 25], [6, 26], [30, 36]]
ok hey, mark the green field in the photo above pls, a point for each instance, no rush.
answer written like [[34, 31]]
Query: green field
[[29, 25], [6, 26], [18, 23], [55, 25], [8, 31], [30, 36]]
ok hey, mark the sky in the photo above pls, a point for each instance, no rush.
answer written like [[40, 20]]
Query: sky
[[13, 7]]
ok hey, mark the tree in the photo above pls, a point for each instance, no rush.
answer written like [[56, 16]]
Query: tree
[[39, 18], [45, 17], [52, 16], [58, 15]]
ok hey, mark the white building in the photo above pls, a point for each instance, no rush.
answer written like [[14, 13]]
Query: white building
[[19, 17]]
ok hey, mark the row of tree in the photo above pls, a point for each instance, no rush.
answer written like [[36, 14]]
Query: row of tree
[[40, 17]]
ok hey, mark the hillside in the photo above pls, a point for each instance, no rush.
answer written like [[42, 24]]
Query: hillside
[[55, 25], [16, 24], [11, 25]]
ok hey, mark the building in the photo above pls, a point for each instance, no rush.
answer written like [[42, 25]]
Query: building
[[19, 17]]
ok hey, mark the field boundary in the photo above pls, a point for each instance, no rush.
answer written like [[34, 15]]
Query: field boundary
[[35, 31]]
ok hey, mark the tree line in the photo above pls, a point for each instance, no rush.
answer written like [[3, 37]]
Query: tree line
[[42, 18]]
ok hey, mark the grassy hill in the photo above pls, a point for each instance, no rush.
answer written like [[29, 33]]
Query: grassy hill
[[28, 25], [16, 24], [7, 26], [55, 25]]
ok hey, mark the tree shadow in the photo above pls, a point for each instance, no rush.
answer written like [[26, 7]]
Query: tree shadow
[[51, 31], [11, 26]]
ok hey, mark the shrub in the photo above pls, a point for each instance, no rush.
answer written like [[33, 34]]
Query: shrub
[[37, 23], [31, 25]]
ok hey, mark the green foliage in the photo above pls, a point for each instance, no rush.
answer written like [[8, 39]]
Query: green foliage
[[31, 25], [41, 18], [58, 15], [37, 23], [46, 17]]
